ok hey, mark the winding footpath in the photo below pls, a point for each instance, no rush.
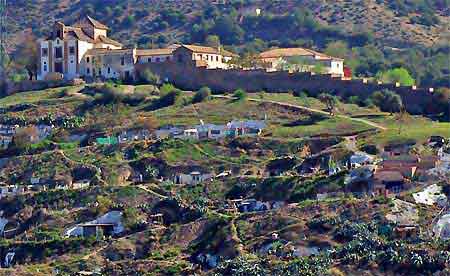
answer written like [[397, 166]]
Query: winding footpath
[[313, 110]]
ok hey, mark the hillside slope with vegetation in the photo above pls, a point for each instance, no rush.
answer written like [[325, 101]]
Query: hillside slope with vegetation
[[373, 35]]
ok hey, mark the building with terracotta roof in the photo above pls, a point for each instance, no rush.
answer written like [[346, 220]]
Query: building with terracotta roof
[[209, 57], [63, 51], [84, 50], [301, 59]]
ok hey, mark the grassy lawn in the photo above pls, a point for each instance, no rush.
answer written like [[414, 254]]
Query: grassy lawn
[[330, 126], [218, 111], [342, 108], [416, 128], [49, 96]]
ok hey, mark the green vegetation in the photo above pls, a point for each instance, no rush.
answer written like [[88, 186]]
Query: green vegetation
[[397, 75]]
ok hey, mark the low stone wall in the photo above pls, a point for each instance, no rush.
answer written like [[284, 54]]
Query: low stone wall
[[416, 100]]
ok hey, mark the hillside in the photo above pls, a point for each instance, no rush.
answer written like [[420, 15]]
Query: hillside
[[133, 21], [205, 228], [373, 36]]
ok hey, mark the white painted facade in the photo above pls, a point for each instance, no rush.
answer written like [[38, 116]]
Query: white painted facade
[[142, 59]]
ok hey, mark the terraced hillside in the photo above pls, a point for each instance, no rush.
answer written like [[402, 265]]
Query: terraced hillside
[[256, 213]]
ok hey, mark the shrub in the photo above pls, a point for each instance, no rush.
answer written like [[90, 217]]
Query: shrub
[[300, 94], [109, 93], [240, 94], [148, 77], [354, 100], [387, 101], [400, 75], [166, 88], [201, 95]]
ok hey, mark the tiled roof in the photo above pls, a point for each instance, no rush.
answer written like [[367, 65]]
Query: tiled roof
[[102, 51], [207, 50], [154, 52], [290, 52], [96, 24], [107, 40], [390, 176]]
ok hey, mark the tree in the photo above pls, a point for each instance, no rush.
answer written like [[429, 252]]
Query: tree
[[337, 49], [387, 101], [149, 77], [148, 123], [24, 137], [330, 100], [402, 118], [240, 94], [442, 100], [213, 41], [26, 56], [201, 95], [400, 75]]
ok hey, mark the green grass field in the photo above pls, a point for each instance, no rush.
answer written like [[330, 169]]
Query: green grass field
[[416, 128]]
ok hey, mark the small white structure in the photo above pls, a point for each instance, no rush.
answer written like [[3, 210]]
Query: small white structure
[[431, 195], [193, 178], [82, 184], [3, 223], [11, 190], [112, 219], [191, 133], [442, 228], [134, 135], [359, 159], [7, 133], [169, 131]]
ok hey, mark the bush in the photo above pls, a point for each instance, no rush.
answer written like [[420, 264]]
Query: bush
[[169, 96], [387, 101], [300, 94], [148, 77], [240, 94], [354, 100], [201, 95], [109, 93]]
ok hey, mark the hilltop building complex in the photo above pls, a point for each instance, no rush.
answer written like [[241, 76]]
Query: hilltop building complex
[[84, 50]]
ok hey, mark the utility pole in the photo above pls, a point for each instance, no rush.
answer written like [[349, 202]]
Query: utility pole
[[3, 30]]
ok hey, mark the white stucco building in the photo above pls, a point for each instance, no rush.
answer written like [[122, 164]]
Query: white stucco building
[[63, 51], [301, 59]]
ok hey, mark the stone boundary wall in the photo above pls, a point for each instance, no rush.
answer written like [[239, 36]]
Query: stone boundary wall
[[188, 77]]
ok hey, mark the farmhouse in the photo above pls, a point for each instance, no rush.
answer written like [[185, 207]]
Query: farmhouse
[[211, 58], [301, 59]]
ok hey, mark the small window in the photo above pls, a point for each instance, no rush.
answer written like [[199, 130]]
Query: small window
[[72, 50], [158, 59], [87, 60], [93, 59], [217, 58], [71, 61], [99, 71], [167, 58], [57, 41], [109, 70], [149, 60], [45, 68], [58, 52], [88, 71], [45, 62], [44, 52], [122, 61]]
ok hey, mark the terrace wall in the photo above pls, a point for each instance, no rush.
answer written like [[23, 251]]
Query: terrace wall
[[188, 77]]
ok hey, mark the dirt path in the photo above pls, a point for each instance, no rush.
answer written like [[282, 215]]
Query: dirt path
[[142, 187], [367, 122]]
